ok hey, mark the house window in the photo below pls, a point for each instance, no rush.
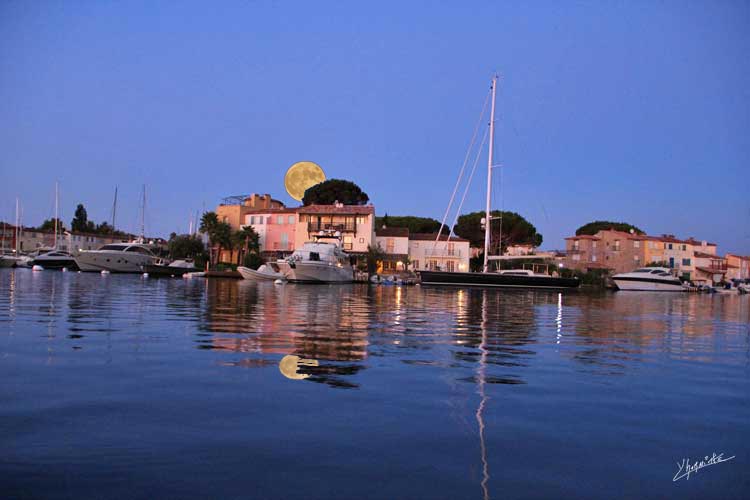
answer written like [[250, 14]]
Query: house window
[[575, 244], [593, 244], [348, 243], [416, 264], [617, 244], [450, 266], [451, 248], [279, 219], [361, 220], [361, 240], [291, 219], [684, 247], [284, 241], [670, 246], [576, 256], [593, 258], [636, 258], [685, 262], [636, 244], [390, 245]]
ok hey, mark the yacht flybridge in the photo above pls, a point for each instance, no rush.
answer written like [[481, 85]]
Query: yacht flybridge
[[653, 279], [319, 261], [515, 278]]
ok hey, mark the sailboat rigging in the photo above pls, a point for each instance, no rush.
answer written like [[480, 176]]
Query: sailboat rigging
[[515, 278]]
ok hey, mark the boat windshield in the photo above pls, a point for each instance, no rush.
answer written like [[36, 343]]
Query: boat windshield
[[646, 270], [113, 247]]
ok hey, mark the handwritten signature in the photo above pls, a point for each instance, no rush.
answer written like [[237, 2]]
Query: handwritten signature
[[686, 468]]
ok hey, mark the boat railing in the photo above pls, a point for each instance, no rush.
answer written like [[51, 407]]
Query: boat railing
[[349, 227]]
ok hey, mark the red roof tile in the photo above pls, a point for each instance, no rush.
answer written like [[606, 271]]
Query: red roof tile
[[333, 209], [433, 236], [393, 231], [583, 237]]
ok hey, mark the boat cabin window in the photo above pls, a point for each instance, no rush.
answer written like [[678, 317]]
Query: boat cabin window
[[642, 271], [314, 256], [657, 271], [138, 250], [112, 247]]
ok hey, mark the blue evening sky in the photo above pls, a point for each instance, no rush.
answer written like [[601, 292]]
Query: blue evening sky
[[630, 110]]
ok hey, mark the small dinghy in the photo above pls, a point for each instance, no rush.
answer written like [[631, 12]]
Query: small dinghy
[[263, 273], [171, 269]]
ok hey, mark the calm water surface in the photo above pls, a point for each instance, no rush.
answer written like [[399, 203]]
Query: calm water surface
[[123, 387]]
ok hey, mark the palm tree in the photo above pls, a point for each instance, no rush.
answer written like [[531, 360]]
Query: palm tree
[[245, 241]]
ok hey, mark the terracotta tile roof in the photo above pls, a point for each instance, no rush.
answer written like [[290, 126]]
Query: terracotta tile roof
[[393, 231], [704, 255], [583, 237], [333, 209], [271, 211], [433, 236], [741, 257]]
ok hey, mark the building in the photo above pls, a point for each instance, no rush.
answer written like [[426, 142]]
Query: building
[[31, 239], [448, 253], [356, 223], [520, 250], [394, 241], [709, 268], [234, 209], [618, 252], [738, 266], [276, 228]]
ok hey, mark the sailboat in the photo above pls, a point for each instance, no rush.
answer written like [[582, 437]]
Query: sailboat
[[515, 278], [55, 258], [14, 259]]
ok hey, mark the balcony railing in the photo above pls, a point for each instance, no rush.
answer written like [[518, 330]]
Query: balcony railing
[[349, 227]]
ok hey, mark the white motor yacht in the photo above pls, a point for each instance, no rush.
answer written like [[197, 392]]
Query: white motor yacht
[[654, 279], [319, 261], [117, 258], [55, 259]]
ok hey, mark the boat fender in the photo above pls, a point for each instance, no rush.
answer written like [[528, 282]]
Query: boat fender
[[145, 275], [37, 267], [278, 282], [104, 271]]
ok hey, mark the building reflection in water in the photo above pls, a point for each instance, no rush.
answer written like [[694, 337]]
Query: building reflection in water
[[324, 325]]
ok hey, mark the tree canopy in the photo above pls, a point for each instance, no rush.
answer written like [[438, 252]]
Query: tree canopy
[[332, 190], [594, 227], [80, 221], [515, 230], [415, 224], [49, 225]]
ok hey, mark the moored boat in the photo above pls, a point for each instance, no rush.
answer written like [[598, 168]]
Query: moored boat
[[319, 261], [265, 272], [512, 278], [117, 258], [651, 279], [56, 259]]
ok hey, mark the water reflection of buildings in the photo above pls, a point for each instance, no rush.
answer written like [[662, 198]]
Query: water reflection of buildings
[[327, 324], [614, 330]]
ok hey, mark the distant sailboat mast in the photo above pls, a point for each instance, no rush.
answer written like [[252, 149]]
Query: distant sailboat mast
[[143, 217], [114, 209], [57, 216], [487, 216]]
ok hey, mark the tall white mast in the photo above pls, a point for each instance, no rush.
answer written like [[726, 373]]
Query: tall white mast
[[487, 217], [114, 209], [18, 231], [143, 217], [56, 213]]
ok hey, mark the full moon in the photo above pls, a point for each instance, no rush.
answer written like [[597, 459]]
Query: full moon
[[301, 176]]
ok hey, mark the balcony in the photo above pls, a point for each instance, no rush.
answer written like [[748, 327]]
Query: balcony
[[314, 227]]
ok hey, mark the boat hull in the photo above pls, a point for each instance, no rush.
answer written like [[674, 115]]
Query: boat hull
[[70, 263], [253, 275], [647, 285], [167, 271], [316, 272], [6, 261], [495, 280], [115, 262]]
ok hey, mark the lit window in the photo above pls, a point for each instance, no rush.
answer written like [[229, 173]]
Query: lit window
[[636, 244]]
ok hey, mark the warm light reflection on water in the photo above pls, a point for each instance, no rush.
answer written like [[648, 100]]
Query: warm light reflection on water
[[191, 388]]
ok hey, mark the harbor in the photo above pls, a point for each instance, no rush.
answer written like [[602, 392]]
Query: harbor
[[379, 251]]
